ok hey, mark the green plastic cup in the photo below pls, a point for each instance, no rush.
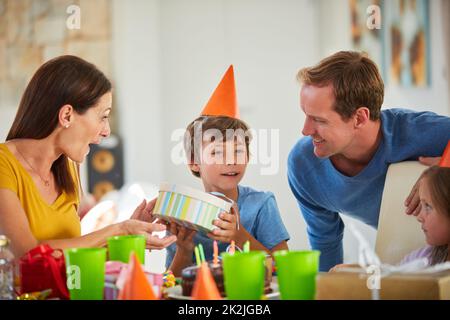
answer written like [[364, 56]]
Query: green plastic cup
[[296, 273], [85, 269], [120, 247], [244, 275]]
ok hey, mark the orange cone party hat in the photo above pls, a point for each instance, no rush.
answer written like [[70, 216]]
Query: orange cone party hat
[[223, 101], [136, 285], [205, 287], [445, 160]]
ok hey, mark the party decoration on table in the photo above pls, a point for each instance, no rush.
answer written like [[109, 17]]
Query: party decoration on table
[[44, 268], [247, 246], [233, 247], [191, 208], [189, 276], [169, 279], [205, 288], [445, 160], [202, 252], [197, 256], [223, 101], [116, 274], [38, 295], [215, 253], [136, 286]]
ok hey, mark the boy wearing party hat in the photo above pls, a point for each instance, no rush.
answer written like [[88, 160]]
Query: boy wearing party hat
[[217, 147]]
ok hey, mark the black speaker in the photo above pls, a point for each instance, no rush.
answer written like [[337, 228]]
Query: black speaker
[[105, 166]]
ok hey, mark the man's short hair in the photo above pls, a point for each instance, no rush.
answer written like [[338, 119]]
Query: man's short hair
[[356, 82]]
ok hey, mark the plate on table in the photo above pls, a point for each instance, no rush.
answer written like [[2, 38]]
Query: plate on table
[[176, 292]]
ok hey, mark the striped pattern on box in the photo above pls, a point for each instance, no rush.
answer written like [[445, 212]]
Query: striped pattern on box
[[187, 210]]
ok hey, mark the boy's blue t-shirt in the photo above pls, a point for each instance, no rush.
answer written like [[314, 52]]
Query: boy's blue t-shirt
[[259, 215], [323, 192]]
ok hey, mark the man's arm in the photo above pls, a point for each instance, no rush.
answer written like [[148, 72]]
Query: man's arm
[[325, 233], [325, 227]]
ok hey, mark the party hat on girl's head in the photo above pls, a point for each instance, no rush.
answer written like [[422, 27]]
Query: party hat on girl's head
[[205, 288], [223, 101], [445, 160], [136, 286]]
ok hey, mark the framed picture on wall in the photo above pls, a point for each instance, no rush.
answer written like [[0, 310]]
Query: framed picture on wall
[[407, 44], [365, 37]]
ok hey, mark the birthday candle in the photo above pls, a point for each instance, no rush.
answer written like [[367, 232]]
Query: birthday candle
[[197, 256], [202, 252], [216, 252], [247, 246]]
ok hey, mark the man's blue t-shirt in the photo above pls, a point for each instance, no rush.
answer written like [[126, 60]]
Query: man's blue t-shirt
[[259, 215], [323, 192]]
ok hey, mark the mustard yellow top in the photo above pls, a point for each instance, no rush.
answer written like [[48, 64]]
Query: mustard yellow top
[[58, 220]]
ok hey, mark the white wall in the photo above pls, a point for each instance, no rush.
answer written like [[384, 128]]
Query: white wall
[[137, 91]]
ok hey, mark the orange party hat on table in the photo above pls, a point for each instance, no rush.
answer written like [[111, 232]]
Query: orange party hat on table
[[445, 160], [136, 286], [223, 101], [205, 287]]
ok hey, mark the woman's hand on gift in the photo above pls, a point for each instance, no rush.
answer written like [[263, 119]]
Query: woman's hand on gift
[[144, 211], [229, 227], [185, 237], [133, 226]]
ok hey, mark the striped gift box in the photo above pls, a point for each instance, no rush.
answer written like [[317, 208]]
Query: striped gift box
[[189, 207]]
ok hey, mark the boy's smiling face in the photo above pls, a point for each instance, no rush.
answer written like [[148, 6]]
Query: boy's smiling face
[[223, 164]]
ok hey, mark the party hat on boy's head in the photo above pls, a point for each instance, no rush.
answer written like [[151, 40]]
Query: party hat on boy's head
[[445, 160], [223, 101], [205, 288], [136, 286]]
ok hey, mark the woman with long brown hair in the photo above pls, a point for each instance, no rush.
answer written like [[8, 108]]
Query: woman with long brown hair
[[63, 110]]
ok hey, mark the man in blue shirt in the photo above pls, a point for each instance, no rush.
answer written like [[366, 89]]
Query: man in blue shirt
[[340, 165]]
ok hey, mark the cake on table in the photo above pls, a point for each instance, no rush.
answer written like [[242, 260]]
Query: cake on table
[[189, 274]]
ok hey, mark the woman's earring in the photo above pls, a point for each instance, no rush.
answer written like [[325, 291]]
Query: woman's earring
[[66, 126]]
